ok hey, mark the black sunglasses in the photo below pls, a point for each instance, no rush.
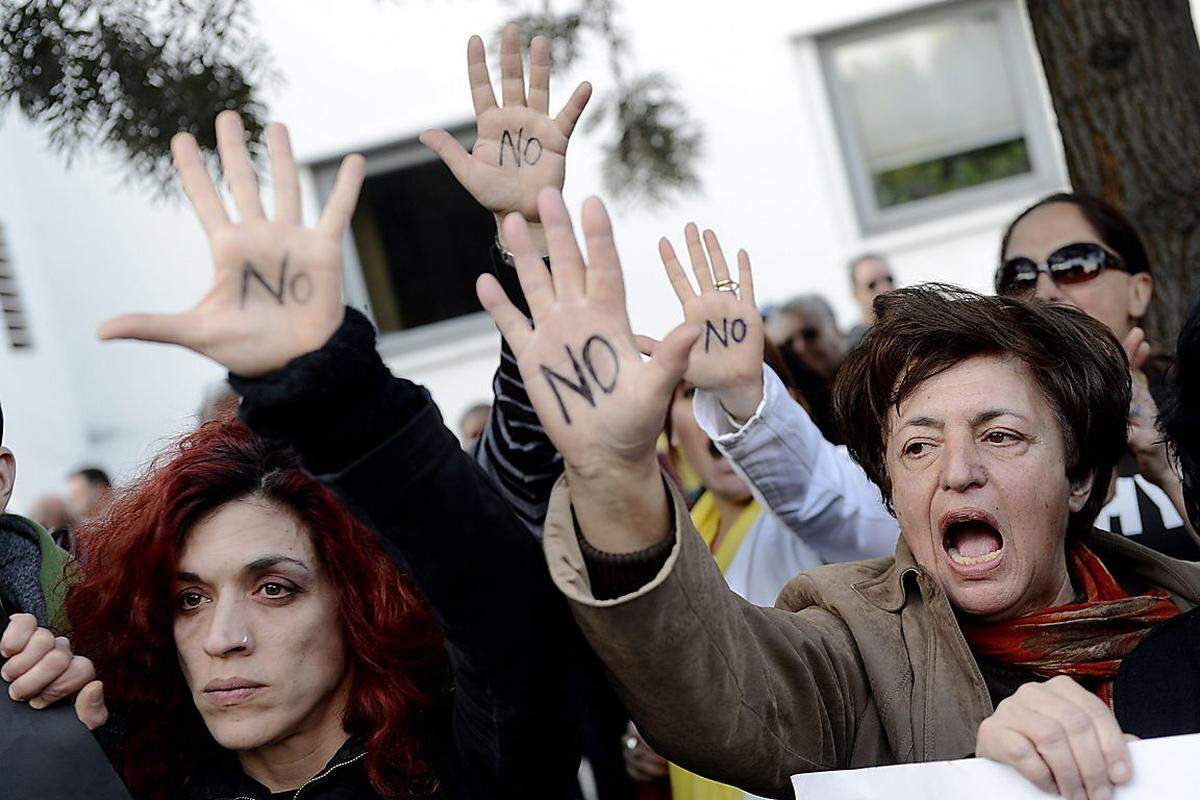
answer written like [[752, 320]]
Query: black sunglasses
[[1072, 263]]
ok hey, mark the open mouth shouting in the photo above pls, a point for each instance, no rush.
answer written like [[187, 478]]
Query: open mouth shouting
[[972, 541]]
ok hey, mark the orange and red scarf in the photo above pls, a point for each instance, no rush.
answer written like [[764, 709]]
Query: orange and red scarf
[[1086, 640]]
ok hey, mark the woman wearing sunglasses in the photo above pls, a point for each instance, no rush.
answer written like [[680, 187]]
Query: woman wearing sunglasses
[[1077, 250]]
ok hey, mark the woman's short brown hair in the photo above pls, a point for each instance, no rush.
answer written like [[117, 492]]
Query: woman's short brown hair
[[922, 331]]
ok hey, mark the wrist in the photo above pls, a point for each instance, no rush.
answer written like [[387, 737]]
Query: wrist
[[620, 507], [537, 235], [742, 402]]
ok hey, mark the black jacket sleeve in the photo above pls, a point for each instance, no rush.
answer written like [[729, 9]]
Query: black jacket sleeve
[[379, 444]]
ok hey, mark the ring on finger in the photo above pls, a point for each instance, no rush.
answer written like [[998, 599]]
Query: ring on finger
[[726, 285]]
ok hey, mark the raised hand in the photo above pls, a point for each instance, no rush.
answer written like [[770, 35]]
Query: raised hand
[[600, 403], [519, 150], [277, 285], [727, 357]]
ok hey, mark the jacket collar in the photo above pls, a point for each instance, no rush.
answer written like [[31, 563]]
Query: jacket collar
[[220, 776], [887, 591]]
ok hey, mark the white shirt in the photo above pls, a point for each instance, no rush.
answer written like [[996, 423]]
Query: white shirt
[[819, 506]]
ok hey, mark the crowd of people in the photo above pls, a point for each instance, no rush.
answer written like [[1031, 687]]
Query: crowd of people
[[758, 547]]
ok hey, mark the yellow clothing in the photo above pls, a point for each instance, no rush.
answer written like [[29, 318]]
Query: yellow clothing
[[708, 523], [687, 785]]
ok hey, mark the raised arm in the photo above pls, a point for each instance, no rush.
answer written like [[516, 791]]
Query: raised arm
[[735, 692], [309, 374], [812, 486], [519, 150]]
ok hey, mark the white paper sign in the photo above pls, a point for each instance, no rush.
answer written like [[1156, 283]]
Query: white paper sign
[[1162, 768]]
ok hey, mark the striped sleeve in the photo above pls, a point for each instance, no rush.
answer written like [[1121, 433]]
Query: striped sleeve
[[514, 449]]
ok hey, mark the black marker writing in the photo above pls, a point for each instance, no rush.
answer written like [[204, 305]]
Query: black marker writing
[[521, 148], [612, 354], [300, 287], [595, 344], [582, 389], [735, 330]]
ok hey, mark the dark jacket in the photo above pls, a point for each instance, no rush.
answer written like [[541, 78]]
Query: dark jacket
[[379, 444], [343, 778], [1157, 690], [34, 745]]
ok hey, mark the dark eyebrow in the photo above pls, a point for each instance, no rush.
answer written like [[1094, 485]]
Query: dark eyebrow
[[257, 565], [988, 416], [266, 562], [924, 422]]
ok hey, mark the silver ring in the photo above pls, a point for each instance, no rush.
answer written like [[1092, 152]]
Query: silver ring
[[726, 285], [631, 743]]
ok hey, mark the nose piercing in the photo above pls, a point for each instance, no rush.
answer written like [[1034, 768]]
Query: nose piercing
[[245, 640]]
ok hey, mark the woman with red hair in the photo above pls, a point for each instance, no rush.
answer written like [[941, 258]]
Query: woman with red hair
[[252, 637], [228, 596]]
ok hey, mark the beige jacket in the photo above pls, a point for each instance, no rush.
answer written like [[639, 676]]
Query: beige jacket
[[858, 665]]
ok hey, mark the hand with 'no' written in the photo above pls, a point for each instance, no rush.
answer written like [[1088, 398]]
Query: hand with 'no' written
[[277, 285], [519, 149]]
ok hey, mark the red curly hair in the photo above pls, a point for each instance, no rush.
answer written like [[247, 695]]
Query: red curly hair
[[121, 610]]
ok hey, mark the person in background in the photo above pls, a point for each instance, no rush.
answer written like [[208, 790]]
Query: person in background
[[754, 549], [513, 448], [88, 490], [50, 511], [31, 564], [473, 423], [806, 332], [1158, 687], [1077, 250], [870, 276]]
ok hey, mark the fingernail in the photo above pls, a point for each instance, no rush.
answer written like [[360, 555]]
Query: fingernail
[[13, 694], [1120, 772], [37, 703]]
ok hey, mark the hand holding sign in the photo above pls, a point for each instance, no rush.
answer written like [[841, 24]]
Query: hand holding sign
[[277, 286], [600, 403], [727, 358], [519, 150]]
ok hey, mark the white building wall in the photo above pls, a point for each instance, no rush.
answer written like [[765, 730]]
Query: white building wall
[[362, 72]]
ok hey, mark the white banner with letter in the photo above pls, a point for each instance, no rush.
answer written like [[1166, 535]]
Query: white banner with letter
[[1162, 768]]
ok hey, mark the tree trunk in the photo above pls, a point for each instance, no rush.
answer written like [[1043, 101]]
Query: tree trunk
[[1124, 76]]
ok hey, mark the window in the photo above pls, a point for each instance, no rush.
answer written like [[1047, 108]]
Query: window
[[11, 308], [938, 112], [417, 242]]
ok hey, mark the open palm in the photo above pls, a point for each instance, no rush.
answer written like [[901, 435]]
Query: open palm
[[727, 357], [599, 401], [277, 286], [519, 149]]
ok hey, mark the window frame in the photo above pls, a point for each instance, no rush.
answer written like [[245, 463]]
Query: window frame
[[1035, 120], [398, 154]]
